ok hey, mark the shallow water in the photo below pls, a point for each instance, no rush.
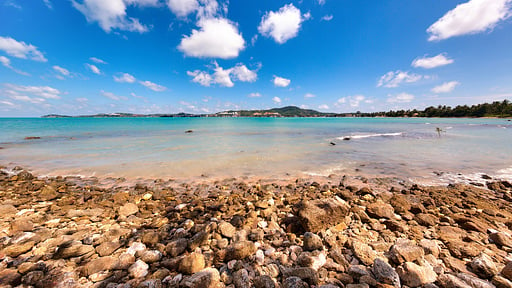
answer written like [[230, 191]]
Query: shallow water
[[259, 147]]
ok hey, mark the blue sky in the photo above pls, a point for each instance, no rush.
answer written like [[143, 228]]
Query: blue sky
[[203, 56]]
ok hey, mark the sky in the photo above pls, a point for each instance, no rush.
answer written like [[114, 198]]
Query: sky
[[77, 57]]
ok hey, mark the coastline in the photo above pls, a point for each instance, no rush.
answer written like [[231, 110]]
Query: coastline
[[337, 232]]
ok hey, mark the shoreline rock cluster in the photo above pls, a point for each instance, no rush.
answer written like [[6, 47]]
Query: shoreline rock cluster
[[353, 233]]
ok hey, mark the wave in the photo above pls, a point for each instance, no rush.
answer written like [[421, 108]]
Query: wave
[[362, 136]]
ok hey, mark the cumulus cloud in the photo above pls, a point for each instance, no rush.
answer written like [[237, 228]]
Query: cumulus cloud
[[61, 70], [216, 38], [153, 86], [309, 95], [111, 14], [432, 62], [400, 98], [323, 107], [254, 95], [472, 17], [224, 77], [327, 18], [182, 8], [276, 100], [20, 49], [281, 82], [445, 87], [31, 94], [282, 25], [124, 78], [393, 79], [93, 68], [112, 96], [97, 60]]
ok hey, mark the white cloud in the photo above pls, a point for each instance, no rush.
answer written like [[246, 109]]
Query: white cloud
[[306, 16], [97, 60], [221, 77], [309, 95], [48, 4], [254, 95], [82, 100], [143, 3], [327, 18], [242, 73], [321, 2], [93, 68], [153, 86], [432, 62], [112, 96], [33, 94], [217, 38], [124, 78], [323, 107], [281, 82], [20, 49], [472, 17], [201, 77], [445, 87], [61, 70], [400, 98], [111, 14], [393, 79], [281, 25], [182, 8], [7, 103], [353, 101], [276, 100], [5, 61], [254, 39]]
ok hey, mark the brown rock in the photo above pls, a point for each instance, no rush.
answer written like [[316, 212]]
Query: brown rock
[[312, 242], [192, 263], [364, 252], [206, 278], [128, 209], [424, 219], [380, 210], [176, 247], [15, 250], [8, 210], [414, 275], [405, 251], [48, 193], [240, 250], [501, 239], [400, 203], [321, 214], [71, 249], [9, 277], [226, 229], [507, 271], [483, 266], [107, 248], [100, 264]]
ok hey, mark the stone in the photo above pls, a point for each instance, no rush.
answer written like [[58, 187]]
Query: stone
[[22, 225], [241, 279], [15, 250], [430, 247], [151, 256], [192, 263], [424, 219], [150, 238], [294, 282], [312, 242], [507, 271], [48, 193], [306, 274], [414, 275], [107, 248], [99, 265], [475, 282], [321, 214], [151, 283], [176, 247], [483, 266], [501, 239], [9, 277], [8, 210], [384, 273], [139, 269], [206, 278], [380, 210], [125, 261], [240, 250], [263, 281], [405, 250], [501, 282], [33, 278], [226, 229], [451, 281], [400, 203], [364, 252], [128, 209], [71, 249]]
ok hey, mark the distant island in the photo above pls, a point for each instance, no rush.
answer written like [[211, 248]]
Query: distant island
[[498, 109]]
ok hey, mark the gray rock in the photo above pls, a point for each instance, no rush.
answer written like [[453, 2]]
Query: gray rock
[[241, 279], [312, 242], [483, 266], [33, 278], [294, 282], [321, 214], [475, 282], [151, 283], [414, 275], [385, 274]]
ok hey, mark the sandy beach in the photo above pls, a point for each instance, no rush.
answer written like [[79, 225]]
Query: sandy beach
[[324, 232]]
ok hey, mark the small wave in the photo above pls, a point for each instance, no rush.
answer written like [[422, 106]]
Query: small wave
[[361, 136], [505, 174]]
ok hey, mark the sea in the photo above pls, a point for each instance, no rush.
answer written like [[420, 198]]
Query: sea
[[423, 150]]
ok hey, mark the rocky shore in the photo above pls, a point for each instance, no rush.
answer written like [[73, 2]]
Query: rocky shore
[[341, 232]]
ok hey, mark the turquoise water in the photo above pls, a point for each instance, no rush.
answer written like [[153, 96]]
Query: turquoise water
[[257, 147]]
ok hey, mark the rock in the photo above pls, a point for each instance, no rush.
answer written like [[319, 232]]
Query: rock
[[501, 239], [451, 281], [400, 203], [241, 279], [501, 282], [364, 252], [33, 278], [206, 278], [128, 209], [264, 281], [25, 176], [99, 265], [176, 247], [136, 247], [305, 273], [474, 282], [312, 242], [107, 248], [8, 211], [125, 261], [294, 282], [150, 238], [48, 193], [72, 249], [430, 247], [192, 263], [385, 274], [405, 251], [414, 275], [483, 266], [426, 220], [139, 269], [507, 271], [9, 277], [226, 229], [151, 256], [15, 250], [380, 210], [151, 283], [240, 250], [321, 214]]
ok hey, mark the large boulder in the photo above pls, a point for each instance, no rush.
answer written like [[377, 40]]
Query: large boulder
[[321, 214]]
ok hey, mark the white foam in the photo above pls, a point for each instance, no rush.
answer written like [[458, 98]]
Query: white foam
[[362, 136], [505, 174]]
